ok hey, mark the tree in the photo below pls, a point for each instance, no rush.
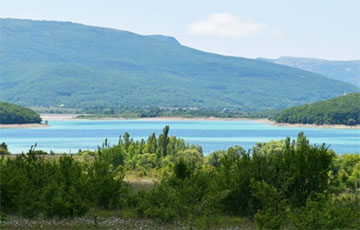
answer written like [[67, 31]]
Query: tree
[[4, 149], [4, 146], [164, 140], [127, 140], [152, 144]]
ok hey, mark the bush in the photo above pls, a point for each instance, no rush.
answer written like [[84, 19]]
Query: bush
[[106, 185], [272, 212], [182, 195], [66, 194], [4, 151], [321, 212]]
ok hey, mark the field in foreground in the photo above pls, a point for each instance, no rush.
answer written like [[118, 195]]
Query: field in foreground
[[165, 183], [121, 223]]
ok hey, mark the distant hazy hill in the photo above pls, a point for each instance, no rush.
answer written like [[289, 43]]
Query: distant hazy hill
[[341, 110], [348, 71], [14, 114], [52, 63]]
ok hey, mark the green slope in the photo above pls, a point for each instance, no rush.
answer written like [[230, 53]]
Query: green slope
[[15, 114], [348, 71], [51, 63], [341, 110]]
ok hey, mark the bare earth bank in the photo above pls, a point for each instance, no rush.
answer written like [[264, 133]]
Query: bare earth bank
[[46, 117], [261, 120], [53, 116], [83, 116], [315, 126], [21, 126]]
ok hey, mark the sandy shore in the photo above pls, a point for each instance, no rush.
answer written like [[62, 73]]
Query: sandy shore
[[195, 119], [77, 116], [260, 120], [21, 126], [53, 116]]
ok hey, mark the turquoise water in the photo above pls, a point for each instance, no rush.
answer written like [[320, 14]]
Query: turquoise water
[[71, 135]]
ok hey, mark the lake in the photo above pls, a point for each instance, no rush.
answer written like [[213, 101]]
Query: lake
[[71, 135]]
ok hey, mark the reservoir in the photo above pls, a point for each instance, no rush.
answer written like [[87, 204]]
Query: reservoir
[[68, 136]]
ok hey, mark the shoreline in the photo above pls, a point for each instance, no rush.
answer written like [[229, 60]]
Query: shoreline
[[273, 123], [58, 116], [184, 119], [77, 116], [22, 126], [64, 117]]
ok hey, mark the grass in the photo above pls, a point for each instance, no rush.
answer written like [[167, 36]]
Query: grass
[[118, 220], [145, 184]]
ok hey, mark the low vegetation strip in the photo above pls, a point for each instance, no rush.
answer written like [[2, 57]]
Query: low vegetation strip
[[94, 222], [344, 110], [275, 185]]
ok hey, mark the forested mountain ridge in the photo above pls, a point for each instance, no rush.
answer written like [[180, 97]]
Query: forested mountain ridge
[[46, 63], [340, 110], [15, 114], [348, 71]]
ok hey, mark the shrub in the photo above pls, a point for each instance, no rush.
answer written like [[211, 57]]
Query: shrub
[[321, 212], [272, 212]]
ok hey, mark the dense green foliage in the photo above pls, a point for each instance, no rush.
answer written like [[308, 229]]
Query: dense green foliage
[[280, 184], [90, 67], [34, 186], [348, 71], [343, 110], [162, 112], [15, 114], [4, 149]]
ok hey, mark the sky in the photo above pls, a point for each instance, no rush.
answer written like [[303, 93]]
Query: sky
[[328, 29]]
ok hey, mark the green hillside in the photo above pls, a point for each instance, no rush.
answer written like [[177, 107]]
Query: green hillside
[[15, 114], [348, 71], [53, 63], [341, 110]]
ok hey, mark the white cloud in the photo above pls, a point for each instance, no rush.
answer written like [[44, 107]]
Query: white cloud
[[228, 26]]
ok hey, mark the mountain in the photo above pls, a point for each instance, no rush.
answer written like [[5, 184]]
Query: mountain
[[15, 114], [348, 71], [47, 63], [340, 110]]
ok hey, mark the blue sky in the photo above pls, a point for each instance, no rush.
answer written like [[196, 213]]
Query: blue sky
[[328, 29]]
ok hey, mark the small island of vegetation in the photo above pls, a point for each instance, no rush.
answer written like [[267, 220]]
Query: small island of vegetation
[[15, 114], [344, 110]]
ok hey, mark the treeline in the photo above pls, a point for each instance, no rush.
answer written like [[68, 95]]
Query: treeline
[[130, 112], [343, 110], [279, 185], [15, 114]]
